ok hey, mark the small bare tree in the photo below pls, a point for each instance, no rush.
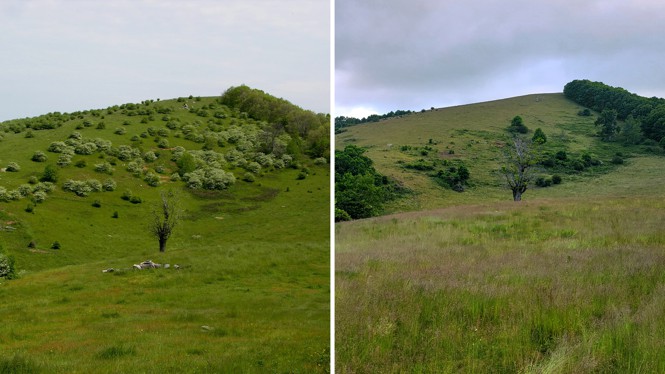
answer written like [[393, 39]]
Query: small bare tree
[[165, 216], [518, 168]]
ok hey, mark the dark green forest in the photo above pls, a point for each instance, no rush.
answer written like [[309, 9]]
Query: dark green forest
[[638, 112]]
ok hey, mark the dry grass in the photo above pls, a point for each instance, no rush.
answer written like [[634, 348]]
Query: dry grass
[[560, 286]]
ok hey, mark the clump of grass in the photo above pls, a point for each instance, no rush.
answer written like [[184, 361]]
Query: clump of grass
[[115, 352], [18, 364]]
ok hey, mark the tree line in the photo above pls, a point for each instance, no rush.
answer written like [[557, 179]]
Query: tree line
[[342, 121], [645, 116], [309, 131]]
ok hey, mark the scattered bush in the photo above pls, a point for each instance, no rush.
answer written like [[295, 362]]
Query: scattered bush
[[7, 268], [341, 215], [97, 204], [39, 156], [120, 131], [249, 177], [149, 156], [57, 147], [50, 174], [30, 208], [55, 245], [109, 185], [39, 196], [115, 214], [209, 178], [13, 166], [105, 168], [135, 200], [543, 181], [556, 179], [517, 126], [81, 164], [151, 179], [127, 195]]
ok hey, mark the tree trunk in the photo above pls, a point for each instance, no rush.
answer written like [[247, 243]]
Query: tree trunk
[[162, 244], [517, 195]]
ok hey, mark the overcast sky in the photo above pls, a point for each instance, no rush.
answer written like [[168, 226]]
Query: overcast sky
[[415, 54], [68, 55]]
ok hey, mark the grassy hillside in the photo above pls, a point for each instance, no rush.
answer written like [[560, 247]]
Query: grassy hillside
[[475, 135], [252, 293], [567, 281]]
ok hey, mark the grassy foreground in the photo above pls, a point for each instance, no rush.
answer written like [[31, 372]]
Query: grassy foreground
[[556, 286]]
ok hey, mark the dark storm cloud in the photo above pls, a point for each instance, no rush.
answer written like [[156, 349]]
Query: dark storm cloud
[[419, 53]]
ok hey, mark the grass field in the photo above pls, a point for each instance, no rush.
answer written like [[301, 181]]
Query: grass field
[[252, 293], [571, 280]]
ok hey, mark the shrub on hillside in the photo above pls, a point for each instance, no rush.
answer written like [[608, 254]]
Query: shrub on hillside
[[50, 174], [39, 156], [85, 148], [57, 147], [109, 185], [82, 188], [39, 196], [151, 179], [7, 269], [105, 168], [209, 178], [149, 156], [64, 160], [13, 166]]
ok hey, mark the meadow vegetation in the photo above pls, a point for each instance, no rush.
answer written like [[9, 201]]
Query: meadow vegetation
[[567, 281], [252, 290]]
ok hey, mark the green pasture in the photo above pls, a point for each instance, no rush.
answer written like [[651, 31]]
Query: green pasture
[[252, 293]]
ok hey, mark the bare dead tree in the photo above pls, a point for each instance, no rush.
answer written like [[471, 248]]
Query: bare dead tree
[[165, 216], [518, 168]]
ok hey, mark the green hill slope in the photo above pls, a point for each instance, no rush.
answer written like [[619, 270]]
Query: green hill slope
[[566, 281], [476, 135], [252, 293]]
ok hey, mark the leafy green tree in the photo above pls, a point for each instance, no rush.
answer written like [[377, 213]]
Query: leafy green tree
[[352, 160], [608, 124], [630, 131], [539, 136], [358, 195], [517, 125], [50, 174]]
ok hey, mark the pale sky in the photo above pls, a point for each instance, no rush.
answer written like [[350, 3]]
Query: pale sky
[[69, 55], [417, 54]]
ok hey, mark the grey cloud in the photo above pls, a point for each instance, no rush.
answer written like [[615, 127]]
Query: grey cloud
[[409, 55], [68, 55]]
